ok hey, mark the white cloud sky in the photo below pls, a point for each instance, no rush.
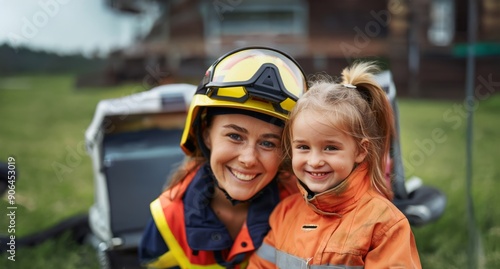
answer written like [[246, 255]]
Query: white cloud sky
[[67, 26]]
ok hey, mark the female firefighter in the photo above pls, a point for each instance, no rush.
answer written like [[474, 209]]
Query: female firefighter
[[214, 212]]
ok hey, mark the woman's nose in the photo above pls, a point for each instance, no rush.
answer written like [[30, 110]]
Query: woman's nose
[[248, 156]]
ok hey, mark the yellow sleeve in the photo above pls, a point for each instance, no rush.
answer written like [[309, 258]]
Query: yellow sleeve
[[166, 260]]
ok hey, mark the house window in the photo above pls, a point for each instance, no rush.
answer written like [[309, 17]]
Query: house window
[[442, 22], [257, 17]]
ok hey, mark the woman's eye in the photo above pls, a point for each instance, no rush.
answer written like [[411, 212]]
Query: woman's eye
[[268, 144], [234, 136]]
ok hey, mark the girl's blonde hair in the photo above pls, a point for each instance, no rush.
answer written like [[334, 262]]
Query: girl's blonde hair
[[358, 107]]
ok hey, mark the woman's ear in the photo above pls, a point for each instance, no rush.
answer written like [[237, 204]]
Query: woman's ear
[[363, 151], [206, 138]]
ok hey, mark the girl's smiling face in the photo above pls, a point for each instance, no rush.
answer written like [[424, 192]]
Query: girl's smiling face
[[245, 153], [322, 156]]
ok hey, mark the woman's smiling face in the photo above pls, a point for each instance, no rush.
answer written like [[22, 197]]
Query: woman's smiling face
[[245, 153]]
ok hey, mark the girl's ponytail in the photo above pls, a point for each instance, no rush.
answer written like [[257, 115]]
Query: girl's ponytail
[[360, 77]]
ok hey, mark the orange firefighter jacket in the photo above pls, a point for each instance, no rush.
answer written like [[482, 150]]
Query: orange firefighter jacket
[[358, 228]]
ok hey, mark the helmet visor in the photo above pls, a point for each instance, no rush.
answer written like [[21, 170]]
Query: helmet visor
[[260, 73]]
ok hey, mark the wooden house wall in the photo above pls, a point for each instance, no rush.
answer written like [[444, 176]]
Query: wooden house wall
[[337, 33]]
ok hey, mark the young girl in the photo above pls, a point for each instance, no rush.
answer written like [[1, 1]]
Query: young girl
[[215, 212], [338, 137]]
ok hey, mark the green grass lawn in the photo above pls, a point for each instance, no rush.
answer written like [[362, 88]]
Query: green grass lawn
[[43, 120], [444, 244]]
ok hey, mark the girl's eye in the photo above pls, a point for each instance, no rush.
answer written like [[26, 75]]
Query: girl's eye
[[331, 148], [302, 147]]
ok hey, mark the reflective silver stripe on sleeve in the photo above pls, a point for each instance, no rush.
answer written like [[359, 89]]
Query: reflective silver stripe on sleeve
[[288, 261], [285, 260], [267, 252], [336, 267]]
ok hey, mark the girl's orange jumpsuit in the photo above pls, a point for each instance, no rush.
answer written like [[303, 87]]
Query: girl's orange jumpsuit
[[358, 228]]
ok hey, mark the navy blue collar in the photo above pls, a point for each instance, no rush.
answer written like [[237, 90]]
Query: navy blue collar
[[205, 231]]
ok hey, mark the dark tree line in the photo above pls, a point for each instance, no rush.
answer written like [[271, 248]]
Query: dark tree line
[[24, 60]]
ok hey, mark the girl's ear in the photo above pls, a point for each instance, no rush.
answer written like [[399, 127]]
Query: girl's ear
[[363, 151]]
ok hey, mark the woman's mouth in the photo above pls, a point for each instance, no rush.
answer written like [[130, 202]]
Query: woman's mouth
[[243, 176]]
